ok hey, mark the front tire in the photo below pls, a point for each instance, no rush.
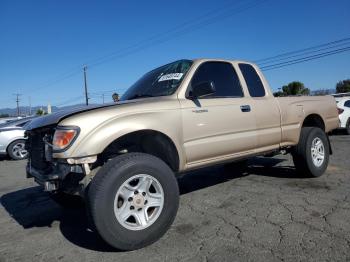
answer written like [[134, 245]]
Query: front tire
[[311, 155], [133, 200]]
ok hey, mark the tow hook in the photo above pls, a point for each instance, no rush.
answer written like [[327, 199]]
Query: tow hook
[[50, 186], [84, 161]]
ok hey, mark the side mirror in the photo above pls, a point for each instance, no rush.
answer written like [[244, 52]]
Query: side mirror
[[203, 89]]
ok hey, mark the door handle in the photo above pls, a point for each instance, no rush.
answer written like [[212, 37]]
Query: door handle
[[245, 108]]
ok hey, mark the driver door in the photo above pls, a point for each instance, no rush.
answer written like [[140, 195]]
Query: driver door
[[220, 126]]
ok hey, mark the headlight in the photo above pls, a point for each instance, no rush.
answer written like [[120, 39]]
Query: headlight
[[64, 137]]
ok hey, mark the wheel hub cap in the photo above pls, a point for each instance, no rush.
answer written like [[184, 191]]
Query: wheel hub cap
[[317, 152], [139, 202], [19, 150]]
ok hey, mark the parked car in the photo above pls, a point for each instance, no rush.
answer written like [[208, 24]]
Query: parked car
[[12, 141], [124, 157], [339, 95], [8, 119], [343, 104]]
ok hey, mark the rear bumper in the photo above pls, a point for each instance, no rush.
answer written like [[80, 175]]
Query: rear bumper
[[343, 119]]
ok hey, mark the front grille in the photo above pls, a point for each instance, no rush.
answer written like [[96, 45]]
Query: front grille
[[36, 148]]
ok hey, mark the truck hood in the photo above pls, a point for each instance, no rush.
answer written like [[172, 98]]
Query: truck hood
[[55, 118]]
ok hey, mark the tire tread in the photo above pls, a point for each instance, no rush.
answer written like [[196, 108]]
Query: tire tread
[[300, 153], [96, 196]]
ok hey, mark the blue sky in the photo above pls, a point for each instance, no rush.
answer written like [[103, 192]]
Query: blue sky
[[41, 41]]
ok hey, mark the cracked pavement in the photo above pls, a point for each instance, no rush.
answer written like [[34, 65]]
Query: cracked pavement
[[262, 212]]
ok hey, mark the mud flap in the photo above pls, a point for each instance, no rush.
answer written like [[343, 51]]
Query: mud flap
[[330, 146]]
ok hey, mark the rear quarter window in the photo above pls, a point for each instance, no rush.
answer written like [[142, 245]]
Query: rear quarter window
[[347, 103], [254, 83]]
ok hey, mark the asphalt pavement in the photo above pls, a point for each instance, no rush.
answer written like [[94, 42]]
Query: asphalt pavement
[[263, 212]]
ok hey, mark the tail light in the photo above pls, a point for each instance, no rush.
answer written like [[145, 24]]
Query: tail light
[[340, 111]]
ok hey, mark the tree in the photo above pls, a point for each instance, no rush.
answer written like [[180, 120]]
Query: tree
[[343, 86], [115, 97], [278, 93], [293, 89], [4, 115], [40, 112]]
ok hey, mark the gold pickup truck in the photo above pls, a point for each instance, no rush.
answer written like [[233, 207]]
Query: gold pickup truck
[[123, 158]]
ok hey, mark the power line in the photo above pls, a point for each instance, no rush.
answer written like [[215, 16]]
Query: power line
[[186, 27], [158, 35], [264, 68], [208, 18], [93, 96], [259, 61], [58, 79], [303, 54], [70, 100], [102, 92], [194, 27], [304, 59]]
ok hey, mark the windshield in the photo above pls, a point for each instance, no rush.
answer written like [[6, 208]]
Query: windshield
[[162, 81]]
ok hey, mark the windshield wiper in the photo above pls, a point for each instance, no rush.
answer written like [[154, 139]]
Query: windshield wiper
[[139, 96]]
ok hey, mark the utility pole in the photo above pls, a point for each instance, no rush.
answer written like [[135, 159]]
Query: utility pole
[[30, 106], [85, 84], [17, 101], [103, 98]]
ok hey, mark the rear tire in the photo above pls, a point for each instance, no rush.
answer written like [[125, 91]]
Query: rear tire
[[120, 200], [311, 155], [16, 150]]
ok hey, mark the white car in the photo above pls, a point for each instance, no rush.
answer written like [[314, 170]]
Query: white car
[[9, 119], [343, 104], [12, 139]]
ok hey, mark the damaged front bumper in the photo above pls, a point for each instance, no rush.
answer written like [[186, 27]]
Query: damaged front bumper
[[69, 176], [54, 179]]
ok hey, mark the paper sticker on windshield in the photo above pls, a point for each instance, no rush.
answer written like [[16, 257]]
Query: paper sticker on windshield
[[173, 76]]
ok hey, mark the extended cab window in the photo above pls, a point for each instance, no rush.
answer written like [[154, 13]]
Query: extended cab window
[[223, 76], [347, 103], [254, 83]]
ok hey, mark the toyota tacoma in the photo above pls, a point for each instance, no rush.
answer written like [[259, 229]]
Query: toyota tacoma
[[123, 158]]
